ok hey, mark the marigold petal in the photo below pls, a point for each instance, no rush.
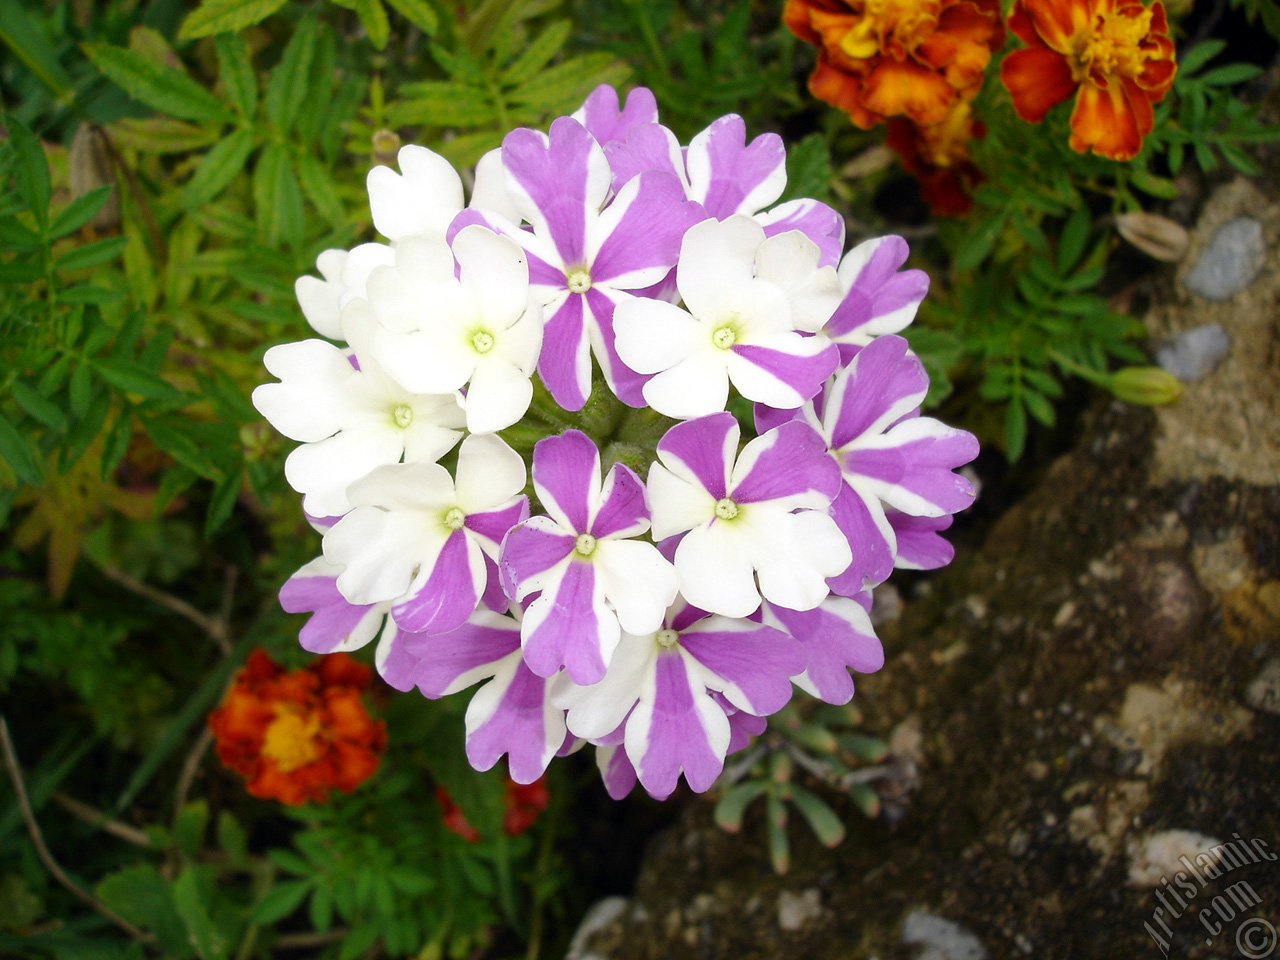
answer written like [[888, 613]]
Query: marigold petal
[[909, 90], [1020, 25], [1059, 22], [842, 90], [961, 44], [340, 668], [1111, 120], [1038, 79]]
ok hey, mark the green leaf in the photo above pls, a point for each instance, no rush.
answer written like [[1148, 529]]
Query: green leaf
[[163, 135], [287, 86], [232, 839], [320, 188], [565, 84], [538, 54], [80, 392], [223, 501], [982, 237], [1149, 183], [130, 377], [210, 940], [17, 451], [38, 407], [117, 444], [733, 805], [419, 13], [822, 819], [1015, 429], [78, 212], [20, 32], [31, 170], [140, 895], [809, 169], [1229, 75], [277, 197], [280, 901], [218, 168], [373, 17], [175, 439], [226, 16], [158, 86], [1038, 407], [441, 103], [189, 827], [91, 254], [235, 72], [1072, 240], [1195, 58]]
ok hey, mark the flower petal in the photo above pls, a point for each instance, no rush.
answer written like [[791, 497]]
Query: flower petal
[[418, 201]]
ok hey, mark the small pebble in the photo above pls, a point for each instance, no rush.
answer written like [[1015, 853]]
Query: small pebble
[[1194, 354], [797, 909], [1264, 692], [941, 939], [1229, 262]]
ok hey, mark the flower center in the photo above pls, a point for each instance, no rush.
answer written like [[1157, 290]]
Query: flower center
[[482, 341], [585, 544], [724, 337], [294, 738], [1112, 47], [895, 27], [726, 509], [579, 280], [403, 415], [455, 518], [666, 638]]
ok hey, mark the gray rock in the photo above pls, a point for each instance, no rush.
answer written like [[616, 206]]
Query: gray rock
[[1229, 261], [797, 909], [1194, 354], [600, 915], [940, 938], [1264, 692]]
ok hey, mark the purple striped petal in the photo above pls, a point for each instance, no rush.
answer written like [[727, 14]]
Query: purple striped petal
[[334, 624], [616, 771], [730, 176], [801, 372], [488, 527], [754, 663], [566, 476], [879, 299], [645, 224], [510, 714], [677, 731], [817, 221], [767, 417], [919, 546], [621, 509], [836, 636], [604, 121], [702, 451], [531, 549], [871, 540], [789, 461], [396, 665], [565, 362], [648, 146], [449, 662], [742, 727], [884, 382], [626, 384], [912, 465], [449, 594], [569, 626]]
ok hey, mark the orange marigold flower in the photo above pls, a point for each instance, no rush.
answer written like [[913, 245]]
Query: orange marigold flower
[[524, 804], [1116, 53], [296, 735], [938, 157], [885, 58]]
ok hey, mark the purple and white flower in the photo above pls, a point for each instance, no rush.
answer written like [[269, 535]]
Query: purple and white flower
[[758, 515], [419, 540], [595, 580], [879, 298], [747, 299], [837, 636], [335, 624]]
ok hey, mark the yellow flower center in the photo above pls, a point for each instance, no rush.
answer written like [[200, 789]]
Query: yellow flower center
[[667, 638], [454, 518], [294, 738], [1112, 48], [726, 509], [403, 416], [482, 341], [585, 544], [906, 21], [578, 280]]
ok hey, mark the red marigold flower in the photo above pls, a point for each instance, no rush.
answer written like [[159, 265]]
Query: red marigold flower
[[296, 735], [938, 157], [885, 58], [524, 804], [1116, 53]]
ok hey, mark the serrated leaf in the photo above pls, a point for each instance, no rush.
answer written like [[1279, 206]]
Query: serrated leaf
[[419, 13], [38, 407], [19, 454], [232, 839], [173, 438], [209, 938], [158, 86], [373, 17], [117, 444], [566, 84], [1229, 75], [442, 104], [1192, 60], [140, 895], [91, 254], [226, 16], [277, 197], [809, 169], [280, 901], [235, 73], [320, 188], [163, 135], [538, 53], [21, 33], [30, 169], [223, 501], [1038, 407], [218, 168], [189, 827], [78, 212], [287, 86], [981, 238], [132, 378], [1072, 240]]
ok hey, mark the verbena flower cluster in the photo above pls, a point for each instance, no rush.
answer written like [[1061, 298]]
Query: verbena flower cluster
[[665, 585]]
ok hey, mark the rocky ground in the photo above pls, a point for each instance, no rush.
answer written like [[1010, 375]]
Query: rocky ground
[[1088, 695]]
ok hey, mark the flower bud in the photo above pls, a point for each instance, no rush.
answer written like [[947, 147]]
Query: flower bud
[[386, 144], [1149, 386]]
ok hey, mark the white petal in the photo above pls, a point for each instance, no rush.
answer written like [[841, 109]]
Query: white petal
[[497, 273], [521, 342], [310, 402], [716, 258], [319, 299], [596, 711], [795, 553], [694, 387], [653, 335], [790, 260], [420, 201], [677, 505], [498, 396], [489, 473], [380, 553], [358, 265], [715, 569], [490, 190], [324, 470], [638, 581]]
